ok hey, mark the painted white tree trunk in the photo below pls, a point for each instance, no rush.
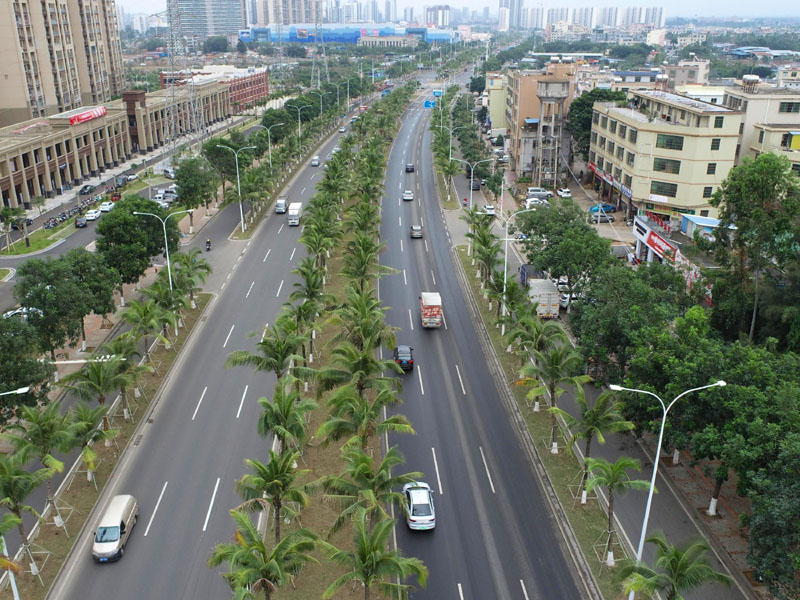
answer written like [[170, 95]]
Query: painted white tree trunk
[[610, 559], [712, 508], [89, 475], [583, 496], [676, 457], [554, 448], [536, 406]]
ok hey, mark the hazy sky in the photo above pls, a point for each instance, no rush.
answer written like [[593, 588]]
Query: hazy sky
[[673, 8]]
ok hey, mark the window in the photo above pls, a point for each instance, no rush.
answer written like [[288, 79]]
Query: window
[[620, 152], [622, 130], [796, 169], [600, 162], [789, 107], [628, 181], [662, 188], [602, 143], [591, 156], [786, 139], [741, 128], [632, 135], [613, 126], [604, 122], [594, 137], [761, 136], [617, 173], [630, 159], [609, 167], [715, 143], [669, 142], [718, 121], [611, 146], [595, 118], [707, 191], [665, 165], [711, 168]]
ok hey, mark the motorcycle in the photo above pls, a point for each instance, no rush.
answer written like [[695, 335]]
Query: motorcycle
[[208, 245]]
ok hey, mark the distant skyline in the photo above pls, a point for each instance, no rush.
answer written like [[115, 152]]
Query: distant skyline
[[674, 8]]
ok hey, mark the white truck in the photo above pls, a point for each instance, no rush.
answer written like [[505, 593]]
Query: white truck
[[295, 208], [547, 297], [430, 308]]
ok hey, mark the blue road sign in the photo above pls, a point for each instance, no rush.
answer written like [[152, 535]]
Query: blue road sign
[[437, 93], [430, 103]]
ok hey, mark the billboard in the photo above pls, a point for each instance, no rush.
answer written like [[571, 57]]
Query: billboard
[[88, 115]]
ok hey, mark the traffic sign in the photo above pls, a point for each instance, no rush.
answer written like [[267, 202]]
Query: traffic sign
[[437, 93], [430, 103]]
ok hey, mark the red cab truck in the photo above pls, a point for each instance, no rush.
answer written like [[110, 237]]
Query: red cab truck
[[430, 306]]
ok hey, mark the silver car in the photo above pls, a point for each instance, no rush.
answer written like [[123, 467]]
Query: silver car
[[420, 512]]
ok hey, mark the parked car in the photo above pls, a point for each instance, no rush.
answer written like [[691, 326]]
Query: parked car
[[93, 215], [335, 150], [416, 231], [601, 218], [87, 189], [169, 172], [106, 206], [534, 202], [404, 356], [342, 129], [409, 167], [420, 512], [564, 193], [408, 195], [538, 191], [18, 224], [608, 208], [22, 312], [80, 222], [489, 209]]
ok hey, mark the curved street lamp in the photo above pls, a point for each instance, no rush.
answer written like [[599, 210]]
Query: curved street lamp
[[166, 241], [238, 184], [299, 127], [269, 141]]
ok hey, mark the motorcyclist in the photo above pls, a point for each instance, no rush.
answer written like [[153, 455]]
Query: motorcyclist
[[208, 244]]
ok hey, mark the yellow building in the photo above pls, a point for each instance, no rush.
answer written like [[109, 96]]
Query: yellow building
[[783, 140], [496, 92], [663, 153]]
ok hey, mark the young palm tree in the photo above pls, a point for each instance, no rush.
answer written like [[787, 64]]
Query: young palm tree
[[363, 484], [677, 570], [126, 347], [285, 415], [7, 523], [302, 317], [531, 334], [359, 419], [16, 484], [361, 261], [361, 320], [604, 417], [42, 431], [253, 566], [318, 244], [98, 379], [372, 563], [171, 301], [552, 375], [145, 318], [309, 288], [272, 485], [84, 422], [189, 269], [274, 353], [352, 366], [614, 477]]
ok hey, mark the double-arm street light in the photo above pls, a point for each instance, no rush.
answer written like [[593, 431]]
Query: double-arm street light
[[166, 240], [238, 182], [299, 127], [505, 263], [664, 412], [320, 94], [269, 141], [451, 130], [471, 173]]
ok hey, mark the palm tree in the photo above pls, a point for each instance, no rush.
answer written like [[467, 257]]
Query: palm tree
[[372, 563], [359, 419], [361, 261], [7, 523], [614, 477], [677, 570], [361, 320], [254, 566], [16, 484], [42, 431], [126, 347], [532, 334], [317, 243], [604, 417], [145, 318], [272, 484], [285, 415], [98, 379], [298, 319], [274, 353], [83, 421], [363, 484], [309, 288], [350, 365], [552, 375], [189, 268]]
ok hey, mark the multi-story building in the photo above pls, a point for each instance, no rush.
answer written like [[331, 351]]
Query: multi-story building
[[388, 41], [635, 80], [535, 17], [503, 19], [654, 15], [663, 155], [437, 16], [583, 16], [789, 76], [691, 39], [607, 16], [514, 12], [761, 104], [496, 89], [204, 18], [554, 15], [58, 56], [247, 86], [631, 15], [408, 14], [783, 140], [692, 71]]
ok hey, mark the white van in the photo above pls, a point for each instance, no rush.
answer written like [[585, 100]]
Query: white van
[[114, 528], [280, 204], [315, 161]]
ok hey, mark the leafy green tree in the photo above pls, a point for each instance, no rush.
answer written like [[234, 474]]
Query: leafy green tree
[[531, 334], [145, 318], [196, 181], [126, 346], [241, 48], [20, 367], [217, 43], [9, 216], [189, 269], [477, 83], [579, 118], [96, 280], [676, 571]]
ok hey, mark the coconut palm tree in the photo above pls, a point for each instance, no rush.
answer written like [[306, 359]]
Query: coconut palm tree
[[532, 334], [16, 484], [363, 216], [145, 318], [360, 419], [98, 379], [274, 353], [615, 478], [593, 422], [372, 564], [42, 431], [361, 261], [285, 415], [126, 346], [189, 269], [309, 288], [350, 365], [302, 317], [551, 376], [272, 485], [317, 244], [7, 523], [677, 570], [84, 422], [253, 566], [361, 320], [363, 484]]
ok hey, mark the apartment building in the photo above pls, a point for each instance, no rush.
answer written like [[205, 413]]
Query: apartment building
[[663, 155], [789, 76], [761, 104], [57, 56], [286, 12], [496, 95], [686, 72], [783, 140], [204, 18]]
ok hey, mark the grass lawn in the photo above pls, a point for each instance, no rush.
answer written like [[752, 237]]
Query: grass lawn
[[4, 273], [41, 239], [81, 495], [449, 200], [588, 521]]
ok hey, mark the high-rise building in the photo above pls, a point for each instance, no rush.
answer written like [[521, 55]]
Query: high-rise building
[[465, 15], [408, 14], [438, 16], [654, 15], [204, 18], [607, 16], [554, 15], [285, 12], [514, 12], [58, 56], [631, 15], [390, 11], [485, 13], [583, 16], [504, 19], [536, 17]]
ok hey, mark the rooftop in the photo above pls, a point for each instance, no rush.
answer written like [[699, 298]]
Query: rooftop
[[690, 103]]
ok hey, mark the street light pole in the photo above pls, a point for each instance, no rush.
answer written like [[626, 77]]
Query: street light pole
[[471, 173], [166, 241], [269, 141], [299, 128], [664, 412], [451, 130], [238, 181], [505, 264], [320, 98]]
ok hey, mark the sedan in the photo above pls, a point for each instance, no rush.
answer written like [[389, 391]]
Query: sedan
[[408, 195], [80, 222], [409, 167], [420, 512], [564, 193], [476, 185], [106, 206], [342, 129], [404, 356], [93, 215], [87, 189], [602, 218], [489, 209], [416, 231], [133, 177], [609, 208]]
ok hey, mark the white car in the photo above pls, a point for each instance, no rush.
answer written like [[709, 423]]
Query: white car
[[133, 177], [420, 512], [342, 129], [408, 195], [564, 193], [106, 206], [93, 215], [335, 149], [489, 209]]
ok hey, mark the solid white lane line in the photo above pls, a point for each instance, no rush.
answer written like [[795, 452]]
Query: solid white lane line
[[524, 591], [405, 282], [280, 229], [434, 277], [458, 372], [460, 592], [444, 320], [229, 335], [485, 466], [199, 402], [410, 320], [211, 504], [401, 245], [250, 289], [155, 510], [241, 402], [426, 245], [293, 251], [436, 467], [264, 332], [419, 375], [266, 255], [279, 289]]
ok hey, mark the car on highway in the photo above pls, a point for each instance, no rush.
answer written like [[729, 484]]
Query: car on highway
[[335, 150], [419, 508], [564, 193], [476, 185], [416, 231], [489, 210], [87, 189], [106, 206], [404, 356], [315, 161], [408, 195], [609, 208], [409, 167], [93, 215], [132, 177], [17, 225], [601, 218], [114, 528], [80, 222], [342, 129]]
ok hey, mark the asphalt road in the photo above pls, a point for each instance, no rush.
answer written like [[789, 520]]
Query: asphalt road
[[495, 536]]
